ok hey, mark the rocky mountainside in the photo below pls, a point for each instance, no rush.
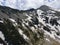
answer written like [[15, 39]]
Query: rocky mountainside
[[29, 27]]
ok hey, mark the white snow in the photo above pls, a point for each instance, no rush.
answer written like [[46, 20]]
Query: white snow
[[1, 44], [41, 20], [52, 28], [39, 12], [21, 33], [2, 36], [27, 23], [12, 20], [47, 39], [58, 21], [51, 35], [33, 29], [1, 21], [57, 36], [25, 37]]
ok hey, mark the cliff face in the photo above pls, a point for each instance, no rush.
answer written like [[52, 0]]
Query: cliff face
[[29, 27]]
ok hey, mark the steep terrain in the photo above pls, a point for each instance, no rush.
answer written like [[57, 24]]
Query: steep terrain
[[29, 27]]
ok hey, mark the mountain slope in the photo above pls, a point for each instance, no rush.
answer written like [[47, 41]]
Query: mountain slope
[[30, 27]]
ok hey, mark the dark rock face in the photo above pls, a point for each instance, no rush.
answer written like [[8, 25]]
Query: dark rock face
[[54, 22], [35, 21], [46, 28], [44, 8], [46, 19], [30, 24]]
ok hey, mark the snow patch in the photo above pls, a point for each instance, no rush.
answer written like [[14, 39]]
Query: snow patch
[[47, 39], [2, 36]]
